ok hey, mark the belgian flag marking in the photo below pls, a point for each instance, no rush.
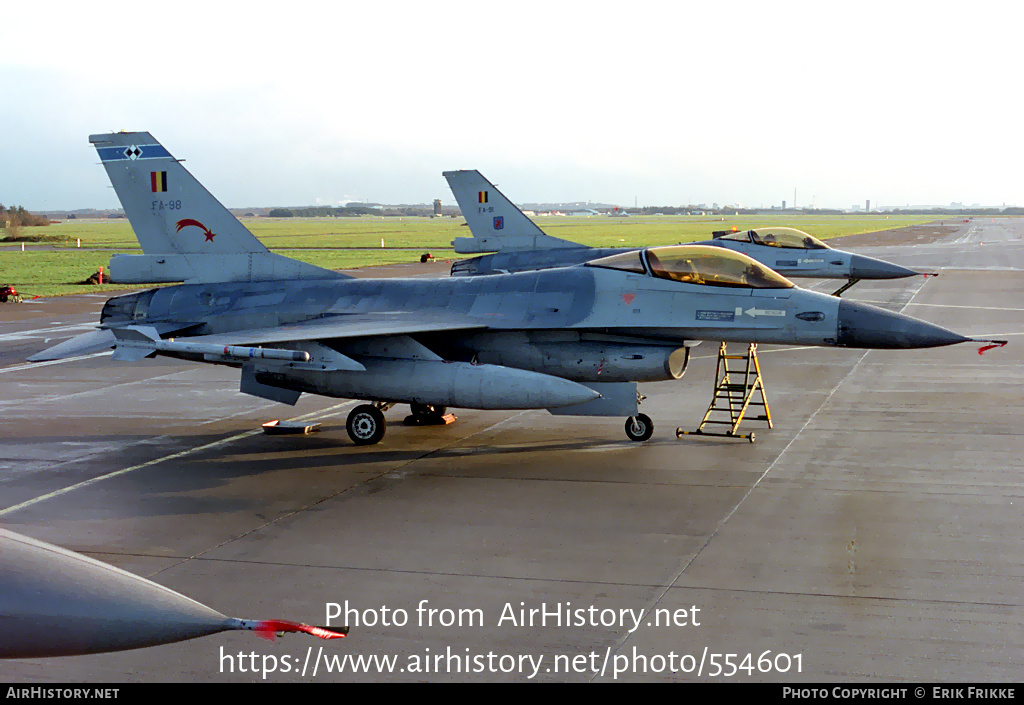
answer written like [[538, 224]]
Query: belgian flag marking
[[158, 180], [482, 197]]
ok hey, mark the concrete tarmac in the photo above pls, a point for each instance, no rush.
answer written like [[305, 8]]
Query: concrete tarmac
[[873, 534]]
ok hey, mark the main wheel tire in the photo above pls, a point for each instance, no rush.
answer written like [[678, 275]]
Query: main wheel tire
[[639, 427], [366, 425]]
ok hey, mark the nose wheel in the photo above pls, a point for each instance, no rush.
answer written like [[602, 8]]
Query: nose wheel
[[366, 425], [639, 428]]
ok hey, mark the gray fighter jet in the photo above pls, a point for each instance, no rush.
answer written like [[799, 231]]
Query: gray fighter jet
[[573, 340], [498, 226], [54, 602]]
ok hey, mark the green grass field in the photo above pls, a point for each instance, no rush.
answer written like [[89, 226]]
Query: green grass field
[[48, 269]]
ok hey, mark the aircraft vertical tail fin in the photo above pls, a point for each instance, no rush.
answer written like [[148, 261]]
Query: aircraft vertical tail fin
[[186, 234], [496, 224]]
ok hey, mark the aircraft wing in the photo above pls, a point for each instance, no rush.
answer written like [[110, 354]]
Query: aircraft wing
[[96, 341], [357, 325]]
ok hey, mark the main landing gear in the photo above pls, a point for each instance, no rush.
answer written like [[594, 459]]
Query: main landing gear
[[366, 425], [428, 415]]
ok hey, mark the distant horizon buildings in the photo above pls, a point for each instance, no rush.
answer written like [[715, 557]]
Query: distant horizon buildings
[[436, 208]]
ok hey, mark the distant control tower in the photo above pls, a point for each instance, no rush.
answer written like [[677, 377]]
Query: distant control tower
[[437, 207]]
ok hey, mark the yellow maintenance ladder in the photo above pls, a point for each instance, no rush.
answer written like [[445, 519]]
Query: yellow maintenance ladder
[[734, 395]]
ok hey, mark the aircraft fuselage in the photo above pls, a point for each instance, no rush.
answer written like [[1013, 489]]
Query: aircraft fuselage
[[789, 262], [576, 300]]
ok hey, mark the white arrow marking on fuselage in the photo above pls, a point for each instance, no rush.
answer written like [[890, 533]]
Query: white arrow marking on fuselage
[[755, 312]]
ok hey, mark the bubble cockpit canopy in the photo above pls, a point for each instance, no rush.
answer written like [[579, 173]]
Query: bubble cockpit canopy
[[697, 264], [789, 238]]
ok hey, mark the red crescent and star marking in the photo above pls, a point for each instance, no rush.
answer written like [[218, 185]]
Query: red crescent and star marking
[[185, 222]]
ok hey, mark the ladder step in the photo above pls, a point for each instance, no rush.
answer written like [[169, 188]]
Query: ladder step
[[734, 399]]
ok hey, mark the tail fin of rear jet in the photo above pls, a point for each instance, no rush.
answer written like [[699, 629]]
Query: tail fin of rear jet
[[496, 224], [185, 233]]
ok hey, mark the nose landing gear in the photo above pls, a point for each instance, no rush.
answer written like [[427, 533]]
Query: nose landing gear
[[639, 428]]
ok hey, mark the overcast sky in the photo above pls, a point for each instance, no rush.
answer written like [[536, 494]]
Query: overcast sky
[[659, 103]]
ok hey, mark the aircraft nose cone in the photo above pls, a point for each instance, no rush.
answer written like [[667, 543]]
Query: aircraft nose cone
[[865, 326], [862, 267]]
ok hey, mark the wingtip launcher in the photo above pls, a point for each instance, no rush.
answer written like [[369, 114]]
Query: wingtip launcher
[[135, 343]]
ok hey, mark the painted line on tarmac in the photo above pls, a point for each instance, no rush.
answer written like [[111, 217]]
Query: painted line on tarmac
[[156, 461], [973, 308], [37, 332], [792, 441], [33, 365], [674, 579]]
